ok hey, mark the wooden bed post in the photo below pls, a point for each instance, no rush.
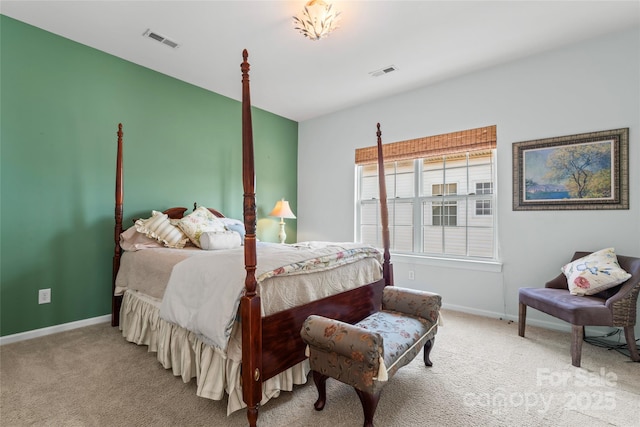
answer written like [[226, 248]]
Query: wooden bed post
[[116, 301], [250, 301], [387, 267]]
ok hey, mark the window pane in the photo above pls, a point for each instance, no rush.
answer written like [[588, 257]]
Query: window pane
[[369, 213], [400, 179], [437, 213], [450, 214], [455, 241], [432, 242], [369, 188], [405, 184], [390, 182], [484, 187], [369, 170], [461, 215], [369, 234], [428, 213], [402, 238], [432, 164], [480, 158], [404, 166], [483, 207], [403, 213], [481, 242]]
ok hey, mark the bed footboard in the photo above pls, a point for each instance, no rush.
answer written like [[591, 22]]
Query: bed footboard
[[282, 347]]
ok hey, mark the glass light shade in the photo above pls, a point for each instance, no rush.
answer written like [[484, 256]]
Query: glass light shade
[[317, 20]]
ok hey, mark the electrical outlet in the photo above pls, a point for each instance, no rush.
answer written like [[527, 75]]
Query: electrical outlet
[[44, 296], [411, 275]]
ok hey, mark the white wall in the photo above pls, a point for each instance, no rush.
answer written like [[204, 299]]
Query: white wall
[[591, 86]]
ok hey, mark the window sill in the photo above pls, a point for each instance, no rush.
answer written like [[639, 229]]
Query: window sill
[[466, 264]]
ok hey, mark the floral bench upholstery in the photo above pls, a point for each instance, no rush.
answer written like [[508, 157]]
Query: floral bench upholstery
[[366, 355]]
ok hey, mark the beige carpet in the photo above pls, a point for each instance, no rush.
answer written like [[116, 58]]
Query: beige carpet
[[483, 375]]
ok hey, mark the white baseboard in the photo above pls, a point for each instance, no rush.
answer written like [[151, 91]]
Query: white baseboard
[[8, 339], [495, 315]]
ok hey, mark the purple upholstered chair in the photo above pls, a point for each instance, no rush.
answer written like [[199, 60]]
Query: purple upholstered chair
[[612, 307]]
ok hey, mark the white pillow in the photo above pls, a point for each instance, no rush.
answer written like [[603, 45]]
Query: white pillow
[[200, 221], [594, 273], [214, 240], [234, 225], [132, 240], [160, 228]]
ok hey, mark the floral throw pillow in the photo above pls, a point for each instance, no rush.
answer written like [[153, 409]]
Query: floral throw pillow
[[594, 273], [200, 221]]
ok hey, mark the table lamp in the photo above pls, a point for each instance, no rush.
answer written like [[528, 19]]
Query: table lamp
[[283, 211]]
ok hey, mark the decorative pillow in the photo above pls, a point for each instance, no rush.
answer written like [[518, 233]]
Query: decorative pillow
[[594, 273], [234, 225], [214, 240], [199, 221], [160, 228], [132, 240]]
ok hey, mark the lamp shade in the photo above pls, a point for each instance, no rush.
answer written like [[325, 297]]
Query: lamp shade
[[317, 20], [282, 210]]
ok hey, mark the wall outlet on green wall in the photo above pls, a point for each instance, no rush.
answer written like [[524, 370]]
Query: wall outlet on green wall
[[44, 296]]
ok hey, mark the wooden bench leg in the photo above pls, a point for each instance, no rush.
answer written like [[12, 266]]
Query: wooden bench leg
[[369, 404], [427, 351], [321, 384]]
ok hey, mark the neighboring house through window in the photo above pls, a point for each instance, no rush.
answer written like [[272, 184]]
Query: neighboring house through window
[[440, 195]]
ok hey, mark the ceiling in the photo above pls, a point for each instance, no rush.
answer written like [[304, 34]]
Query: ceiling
[[428, 41]]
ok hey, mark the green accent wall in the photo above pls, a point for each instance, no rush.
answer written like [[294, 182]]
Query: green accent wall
[[60, 105]]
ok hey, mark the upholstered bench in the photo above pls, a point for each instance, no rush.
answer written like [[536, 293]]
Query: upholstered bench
[[366, 355]]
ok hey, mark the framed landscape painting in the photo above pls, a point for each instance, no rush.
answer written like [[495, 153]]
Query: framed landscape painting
[[584, 171]]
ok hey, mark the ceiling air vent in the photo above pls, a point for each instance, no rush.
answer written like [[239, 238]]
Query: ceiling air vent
[[383, 71], [160, 38]]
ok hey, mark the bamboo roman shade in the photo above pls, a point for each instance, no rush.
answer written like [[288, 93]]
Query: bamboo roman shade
[[467, 140]]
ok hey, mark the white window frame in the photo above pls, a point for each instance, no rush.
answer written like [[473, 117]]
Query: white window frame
[[492, 262]]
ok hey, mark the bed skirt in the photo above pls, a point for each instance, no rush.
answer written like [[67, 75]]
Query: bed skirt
[[217, 373]]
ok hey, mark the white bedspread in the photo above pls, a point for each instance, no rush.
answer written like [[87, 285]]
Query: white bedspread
[[203, 293]]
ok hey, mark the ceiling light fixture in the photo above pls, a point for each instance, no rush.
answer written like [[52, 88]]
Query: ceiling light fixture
[[317, 20]]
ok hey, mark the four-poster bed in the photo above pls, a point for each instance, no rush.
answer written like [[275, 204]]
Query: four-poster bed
[[270, 349]]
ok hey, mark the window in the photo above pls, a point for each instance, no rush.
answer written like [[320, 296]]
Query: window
[[483, 207], [445, 214], [444, 189], [439, 204]]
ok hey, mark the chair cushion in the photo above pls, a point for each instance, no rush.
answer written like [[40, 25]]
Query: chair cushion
[[577, 310]]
